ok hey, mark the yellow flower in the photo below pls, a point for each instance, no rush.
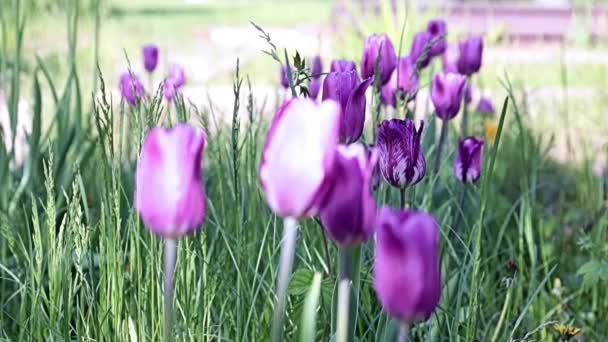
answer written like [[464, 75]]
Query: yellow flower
[[491, 127], [566, 331]]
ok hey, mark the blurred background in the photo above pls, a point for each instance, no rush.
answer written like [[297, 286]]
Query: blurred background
[[554, 52]]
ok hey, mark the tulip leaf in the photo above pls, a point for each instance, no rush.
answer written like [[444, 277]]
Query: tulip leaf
[[309, 315]]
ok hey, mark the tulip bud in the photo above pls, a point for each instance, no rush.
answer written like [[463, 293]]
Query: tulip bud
[[348, 211], [346, 89], [402, 160], [404, 78], [485, 106], [284, 77], [177, 75], [298, 153], [419, 56], [150, 53], [316, 67], [470, 54], [314, 87], [378, 44], [342, 65], [438, 31], [131, 88], [450, 58], [169, 192], [407, 275], [446, 94], [467, 166]]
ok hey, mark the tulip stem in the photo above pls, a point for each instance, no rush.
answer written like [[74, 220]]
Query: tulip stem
[[342, 331], [285, 264], [403, 333], [402, 197], [464, 130], [170, 258], [344, 262], [444, 133], [460, 212]]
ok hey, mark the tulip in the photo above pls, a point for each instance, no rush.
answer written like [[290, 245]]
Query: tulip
[[402, 160], [131, 88], [450, 58], [150, 53], [177, 75], [420, 50], [485, 106], [348, 212], [298, 154], [169, 89], [346, 89], [467, 165], [438, 30], [316, 68], [284, 77], [470, 54], [376, 176], [169, 193], [446, 94], [407, 275], [404, 78], [314, 87], [468, 93], [378, 44], [342, 65]]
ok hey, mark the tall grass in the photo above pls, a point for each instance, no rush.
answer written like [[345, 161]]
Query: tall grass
[[76, 263]]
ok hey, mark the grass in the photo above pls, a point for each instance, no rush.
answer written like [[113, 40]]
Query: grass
[[77, 263]]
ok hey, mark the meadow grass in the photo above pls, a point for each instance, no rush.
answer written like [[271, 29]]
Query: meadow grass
[[76, 262]]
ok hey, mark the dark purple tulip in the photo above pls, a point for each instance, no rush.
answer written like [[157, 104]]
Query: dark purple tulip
[[316, 67], [314, 87], [467, 165], [470, 54], [446, 94], [438, 30], [169, 191], [150, 53], [284, 77], [348, 211], [402, 160], [450, 58], [468, 93], [407, 274], [293, 169], [349, 91], [378, 44], [485, 106], [131, 88], [376, 176], [417, 53], [342, 65], [404, 78]]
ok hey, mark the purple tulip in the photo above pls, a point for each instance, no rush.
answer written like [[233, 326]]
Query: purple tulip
[[131, 88], [177, 75], [346, 89], [298, 153], [467, 165], [314, 87], [150, 53], [348, 211], [402, 160], [468, 93], [438, 31], [378, 44], [407, 275], [376, 176], [284, 77], [404, 78], [316, 67], [342, 65], [450, 58], [485, 106], [169, 192], [470, 55], [417, 52], [446, 94]]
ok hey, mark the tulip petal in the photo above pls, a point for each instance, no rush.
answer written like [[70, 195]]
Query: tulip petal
[[355, 112]]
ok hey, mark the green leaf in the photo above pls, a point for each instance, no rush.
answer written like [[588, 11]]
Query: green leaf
[[300, 281]]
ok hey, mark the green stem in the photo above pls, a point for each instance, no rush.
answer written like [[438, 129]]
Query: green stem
[[464, 130], [170, 258], [460, 213], [285, 264], [403, 333], [402, 197], [444, 133]]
